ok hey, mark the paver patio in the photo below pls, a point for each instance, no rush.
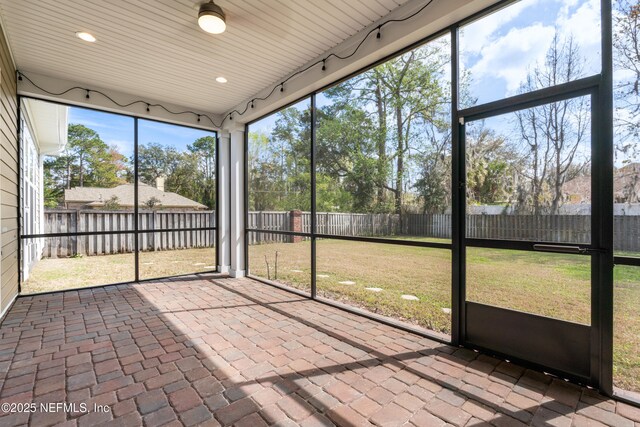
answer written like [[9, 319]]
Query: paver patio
[[216, 351]]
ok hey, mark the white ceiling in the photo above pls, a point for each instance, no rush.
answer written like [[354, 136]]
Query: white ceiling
[[155, 49]]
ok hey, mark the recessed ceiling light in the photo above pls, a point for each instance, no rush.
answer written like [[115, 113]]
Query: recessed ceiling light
[[221, 80], [85, 36]]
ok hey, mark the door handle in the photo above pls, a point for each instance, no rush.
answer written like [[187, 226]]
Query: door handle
[[566, 249]]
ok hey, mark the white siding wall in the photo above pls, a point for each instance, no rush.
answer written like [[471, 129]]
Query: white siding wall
[[32, 198], [8, 178]]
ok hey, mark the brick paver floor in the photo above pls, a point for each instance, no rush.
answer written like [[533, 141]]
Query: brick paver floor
[[194, 351]]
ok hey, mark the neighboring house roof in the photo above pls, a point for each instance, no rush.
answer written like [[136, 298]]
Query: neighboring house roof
[[96, 197], [626, 186]]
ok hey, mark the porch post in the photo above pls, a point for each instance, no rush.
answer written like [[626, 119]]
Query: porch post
[[236, 169], [223, 212]]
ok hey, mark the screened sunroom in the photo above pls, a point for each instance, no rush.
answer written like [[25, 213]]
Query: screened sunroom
[[387, 212]]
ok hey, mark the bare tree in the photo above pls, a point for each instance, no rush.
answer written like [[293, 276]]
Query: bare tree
[[552, 134], [626, 44]]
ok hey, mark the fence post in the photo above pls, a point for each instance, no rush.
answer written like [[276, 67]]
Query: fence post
[[154, 236], [295, 225], [326, 223], [212, 222], [82, 227], [74, 241], [351, 224]]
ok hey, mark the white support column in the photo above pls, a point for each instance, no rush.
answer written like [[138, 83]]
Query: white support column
[[237, 201], [223, 226]]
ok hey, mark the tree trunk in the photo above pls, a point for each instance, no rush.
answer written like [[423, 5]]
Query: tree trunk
[[558, 125], [81, 172], [382, 141], [68, 173], [400, 161]]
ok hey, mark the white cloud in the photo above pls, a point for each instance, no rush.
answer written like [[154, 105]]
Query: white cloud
[[493, 55], [511, 57], [583, 24], [621, 75], [91, 123], [123, 146], [568, 4], [478, 34]]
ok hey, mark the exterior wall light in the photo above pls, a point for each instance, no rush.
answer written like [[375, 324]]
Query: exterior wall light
[[211, 18]]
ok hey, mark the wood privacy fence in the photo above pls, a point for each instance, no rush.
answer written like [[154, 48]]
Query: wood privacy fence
[[275, 221], [626, 229], [546, 228], [87, 221], [344, 224]]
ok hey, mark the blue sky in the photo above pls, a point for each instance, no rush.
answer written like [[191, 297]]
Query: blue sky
[[117, 130], [500, 49]]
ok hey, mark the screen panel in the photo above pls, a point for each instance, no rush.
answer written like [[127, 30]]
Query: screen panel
[[284, 259], [407, 283]]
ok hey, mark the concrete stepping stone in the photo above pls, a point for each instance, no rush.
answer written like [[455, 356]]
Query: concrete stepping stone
[[347, 282], [199, 263], [209, 266], [374, 289], [446, 310], [147, 263], [410, 297], [297, 271], [322, 275]]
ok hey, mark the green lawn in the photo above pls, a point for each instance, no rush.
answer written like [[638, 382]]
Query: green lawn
[[626, 327], [56, 274], [553, 285]]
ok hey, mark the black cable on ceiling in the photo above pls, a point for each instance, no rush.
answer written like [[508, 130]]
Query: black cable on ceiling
[[148, 105], [323, 61]]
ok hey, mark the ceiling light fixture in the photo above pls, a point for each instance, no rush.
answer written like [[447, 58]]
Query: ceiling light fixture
[[85, 36], [211, 18], [221, 80]]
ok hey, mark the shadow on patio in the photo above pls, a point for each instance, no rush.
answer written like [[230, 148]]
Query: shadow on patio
[[206, 350]]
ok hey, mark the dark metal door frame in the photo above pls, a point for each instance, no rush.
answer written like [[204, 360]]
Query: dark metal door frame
[[573, 351], [601, 91]]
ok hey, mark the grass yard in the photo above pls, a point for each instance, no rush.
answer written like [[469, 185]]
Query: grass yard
[[554, 285], [389, 272], [54, 274], [626, 328], [176, 262]]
